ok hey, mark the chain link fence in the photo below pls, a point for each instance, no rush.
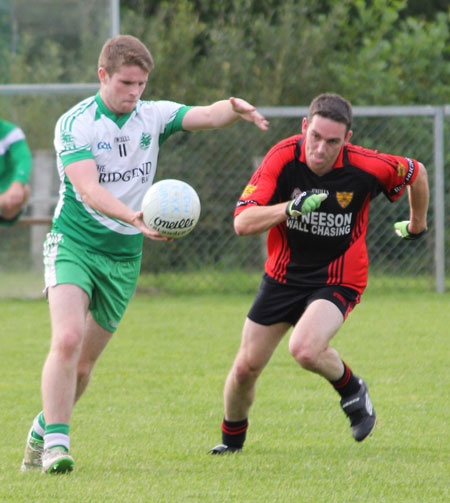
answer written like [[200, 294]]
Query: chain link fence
[[218, 164]]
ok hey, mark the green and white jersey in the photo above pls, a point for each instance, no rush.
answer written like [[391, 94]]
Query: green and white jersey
[[15, 156], [125, 150]]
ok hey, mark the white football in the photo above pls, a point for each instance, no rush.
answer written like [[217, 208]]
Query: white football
[[171, 207]]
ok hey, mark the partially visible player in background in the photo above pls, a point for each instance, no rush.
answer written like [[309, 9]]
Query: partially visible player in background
[[15, 169], [107, 150], [312, 192]]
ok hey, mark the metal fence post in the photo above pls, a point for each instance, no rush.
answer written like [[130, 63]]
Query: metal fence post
[[439, 206]]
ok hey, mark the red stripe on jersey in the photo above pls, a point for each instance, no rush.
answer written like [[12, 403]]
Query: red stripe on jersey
[[335, 270], [350, 269], [355, 259], [279, 253], [393, 172]]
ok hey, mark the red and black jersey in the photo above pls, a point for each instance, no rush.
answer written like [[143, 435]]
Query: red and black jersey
[[327, 246]]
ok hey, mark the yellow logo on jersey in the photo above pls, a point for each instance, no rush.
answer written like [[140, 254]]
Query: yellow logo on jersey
[[248, 191], [401, 170], [344, 198]]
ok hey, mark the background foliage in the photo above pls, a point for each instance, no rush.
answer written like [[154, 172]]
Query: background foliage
[[274, 52]]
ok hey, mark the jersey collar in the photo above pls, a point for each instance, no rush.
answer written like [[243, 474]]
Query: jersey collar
[[302, 156], [103, 110]]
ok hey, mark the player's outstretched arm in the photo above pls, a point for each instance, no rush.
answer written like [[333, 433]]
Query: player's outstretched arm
[[222, 114], [418, 194], [258, 219], [83, 176]]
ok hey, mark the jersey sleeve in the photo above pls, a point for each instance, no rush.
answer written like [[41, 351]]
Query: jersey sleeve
[[263, 187], [171, 118], [72, 143], [394, 173]]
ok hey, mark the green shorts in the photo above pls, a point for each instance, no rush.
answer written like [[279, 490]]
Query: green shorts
[[110, 283]]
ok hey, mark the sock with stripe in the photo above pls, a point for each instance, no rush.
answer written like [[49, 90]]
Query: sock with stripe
[[57, 435], [348, 384], [38, 430], [234, 432]]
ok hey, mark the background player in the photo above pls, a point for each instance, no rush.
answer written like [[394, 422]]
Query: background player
[[107, 149], [15, 169], [313, 192]]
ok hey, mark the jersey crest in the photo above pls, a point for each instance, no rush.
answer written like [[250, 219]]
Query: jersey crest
[[344, 198]]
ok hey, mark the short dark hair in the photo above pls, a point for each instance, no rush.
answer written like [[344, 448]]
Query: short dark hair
[[331, 106], [124, 50]]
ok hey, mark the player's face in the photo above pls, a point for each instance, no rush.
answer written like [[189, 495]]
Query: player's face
[[324, 140], [121, 90]]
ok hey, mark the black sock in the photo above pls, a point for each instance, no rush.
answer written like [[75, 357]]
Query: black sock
[[348, 384], [233, 432]]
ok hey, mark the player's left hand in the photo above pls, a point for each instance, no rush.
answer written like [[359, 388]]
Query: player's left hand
[[138, 221], [401, 229], [249, 113]]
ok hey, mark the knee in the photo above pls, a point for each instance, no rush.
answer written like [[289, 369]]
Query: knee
[[244, 373], [68, 345], [304, 354]]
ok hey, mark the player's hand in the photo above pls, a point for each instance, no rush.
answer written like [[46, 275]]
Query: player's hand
[[304, 203], [138, 222], [249, 113], [401, 229]]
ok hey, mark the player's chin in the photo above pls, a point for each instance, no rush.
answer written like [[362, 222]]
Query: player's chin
[[128, 107]]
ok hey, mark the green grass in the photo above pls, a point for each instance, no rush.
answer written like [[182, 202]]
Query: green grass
[[154, 407]]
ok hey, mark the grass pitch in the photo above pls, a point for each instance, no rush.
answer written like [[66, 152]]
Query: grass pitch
[[142, 430]]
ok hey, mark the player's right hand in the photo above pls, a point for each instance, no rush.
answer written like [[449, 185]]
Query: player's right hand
[[304, 203]]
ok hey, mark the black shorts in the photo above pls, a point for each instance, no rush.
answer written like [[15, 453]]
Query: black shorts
[[276, 302]]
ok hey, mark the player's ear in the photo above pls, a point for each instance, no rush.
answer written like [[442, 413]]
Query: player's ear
[[348, 136], [304, 125], [102, 73]]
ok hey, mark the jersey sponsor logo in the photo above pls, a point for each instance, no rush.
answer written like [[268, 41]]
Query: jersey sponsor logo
[[121, 139], [142, 172], [344, 198], [146, 139], [104, 145], [296, 192], [321, 223], [248, 191]]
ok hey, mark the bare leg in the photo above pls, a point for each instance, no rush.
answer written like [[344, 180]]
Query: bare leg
[[309, 340], [68, 309], [94, 343], [257, 346]]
